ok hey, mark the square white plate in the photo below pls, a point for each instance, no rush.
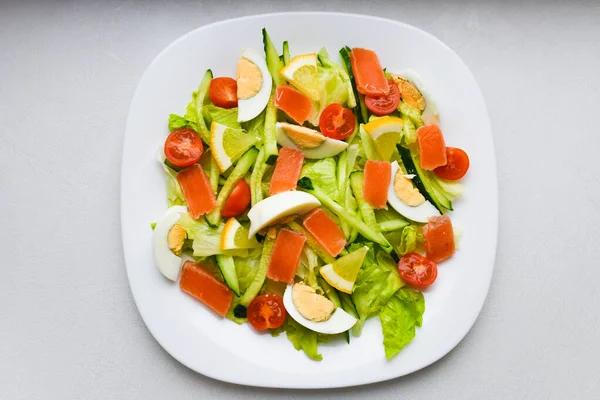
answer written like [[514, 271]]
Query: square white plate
[[223, 350]]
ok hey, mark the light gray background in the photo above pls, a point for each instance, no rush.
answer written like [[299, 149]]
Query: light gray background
[[68, 326]]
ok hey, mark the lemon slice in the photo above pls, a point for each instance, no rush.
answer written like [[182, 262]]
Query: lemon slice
[[235, 236], [385, 131], [302, 72], [343, 272], [228, 144]]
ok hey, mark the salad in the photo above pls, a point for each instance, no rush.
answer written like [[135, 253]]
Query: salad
[[308, 195]]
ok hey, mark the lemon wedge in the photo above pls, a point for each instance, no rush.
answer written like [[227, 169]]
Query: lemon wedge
[[235, 236], [302, 73], [228, 144], [385, 131], [343, 272]]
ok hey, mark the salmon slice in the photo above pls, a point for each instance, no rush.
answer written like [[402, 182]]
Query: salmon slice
[[287, 171], [432, 148], [197, 190], [369, 76], [439, 238], [285, 256], [325, 231], [202, 285], [378, 175], [295, 104]]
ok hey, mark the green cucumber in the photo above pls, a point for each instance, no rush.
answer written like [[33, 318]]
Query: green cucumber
[[366, 211], [214, 174], [393, 225], [421, 181], [203, 130], [271, 150], [286, 53], [273, 62], [259, 170], [227, 268], [241, 168], [260, 275], [330, 292]]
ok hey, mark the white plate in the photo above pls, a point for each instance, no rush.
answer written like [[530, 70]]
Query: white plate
[[223, 350]]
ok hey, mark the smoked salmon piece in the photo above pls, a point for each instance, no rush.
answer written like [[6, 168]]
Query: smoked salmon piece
[[285, 256], [287, 171], [295, 104], [378, 175], [325, 231], [197, 191], [202, 285], [368, 74], [432, 148], [439, 238]]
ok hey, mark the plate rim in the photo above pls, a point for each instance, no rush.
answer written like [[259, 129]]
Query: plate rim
[[336, 384]]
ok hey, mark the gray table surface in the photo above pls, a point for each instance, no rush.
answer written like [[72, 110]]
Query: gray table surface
[[68, 326]]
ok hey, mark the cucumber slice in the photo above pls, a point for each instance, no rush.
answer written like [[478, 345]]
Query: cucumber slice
[[273, 62], [366, 211], [203, 130], [271, 150], [286, 53], [330, 292], [421, 181], [227, 267]]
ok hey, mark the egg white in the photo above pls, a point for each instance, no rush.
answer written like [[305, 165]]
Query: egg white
[[250, 108], [329, 148], [168, 263], [420, 213]]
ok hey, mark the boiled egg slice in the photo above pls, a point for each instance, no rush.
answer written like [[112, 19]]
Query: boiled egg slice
[[430, 114], [313, 144], [168, 237], [406, 199], [274, 208], [314, 311], [254, 85]]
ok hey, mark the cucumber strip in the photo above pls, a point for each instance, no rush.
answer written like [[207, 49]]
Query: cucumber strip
[[393, 225], [214, 174], [360, 114], [313, 263], [312, 242], [203, 131], [286, 53], [418, 180], [330, 292], [364, 111], [260, 167], [342, 213], [348, 306], [270, 138], [273, 62], [227, 267], [243, 165], [366, 211], [260, 275], [342, 165]]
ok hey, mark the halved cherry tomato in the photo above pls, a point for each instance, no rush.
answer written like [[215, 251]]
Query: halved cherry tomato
[[238, 200], [293, 103], [417, 270], [456, 166], [266, 312], [223, 92], [337, 122], [183, 147], [384, 105]]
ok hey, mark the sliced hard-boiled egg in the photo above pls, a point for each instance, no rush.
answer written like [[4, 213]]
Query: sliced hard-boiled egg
[[254, 85], [281, 205], [313, 144], [168, 237], [403, 194], [430, 113], [314, 311]]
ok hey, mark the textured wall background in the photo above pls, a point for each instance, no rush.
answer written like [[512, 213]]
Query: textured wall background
[[68, 325]]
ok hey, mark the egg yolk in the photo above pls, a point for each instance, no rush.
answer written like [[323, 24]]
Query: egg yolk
[[249, 79]]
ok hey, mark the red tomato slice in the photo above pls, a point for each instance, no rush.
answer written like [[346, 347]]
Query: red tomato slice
[[369, 76], [266, 312], [223, 92], [238, 200], [417, 270], [285, 256], [287, 171], [183, 147], [384, 105], [432, 148], [202, 285], [439, 238], [197, 190], [293, 103], [378, 175], [337, 122], [456, 166], [325, 231]]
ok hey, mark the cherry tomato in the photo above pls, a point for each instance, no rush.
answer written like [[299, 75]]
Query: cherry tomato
[[266, 312], [384, 105], [456, 166], [238, 200], [223, 92], [183, 147], [417, 270], [337, 122]]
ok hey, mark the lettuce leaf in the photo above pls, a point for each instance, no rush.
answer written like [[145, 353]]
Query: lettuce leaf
[[303, 339], [175, 195], [206, 240], [322, 173], [407, 240], [399, 318], [246, 268], [178, 122], [191, 112], [227, 117]]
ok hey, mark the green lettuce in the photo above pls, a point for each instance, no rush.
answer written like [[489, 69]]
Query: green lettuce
[[223, 116], [256, 126], [206, 240], [399, 318], [322, 173], [303, 339], [191, 112], [376, 283], [406, 240], [178, 122], [246, 268], [175, 195]]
